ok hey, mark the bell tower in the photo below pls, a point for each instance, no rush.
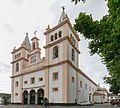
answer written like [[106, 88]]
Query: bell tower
[[62, 53], [35, 52], [19, 59]]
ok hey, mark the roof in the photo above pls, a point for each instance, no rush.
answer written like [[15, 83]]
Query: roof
[[26, 42], [112, 95], [82, 73], [2, 94], [62, 16], [97, 94]]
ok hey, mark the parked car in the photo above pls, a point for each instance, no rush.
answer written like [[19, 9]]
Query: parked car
[[86, 103], [118, 105], [115, 101]]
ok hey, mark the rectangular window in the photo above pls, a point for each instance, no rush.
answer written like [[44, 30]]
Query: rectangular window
[[89, 88], [16, 94], [33, 80], [73, 55], [81, 84], [41, 79], [86, 86], [93, 90], [73, 79], [55, 76], [25, 82], [16, 84], [55, 89]]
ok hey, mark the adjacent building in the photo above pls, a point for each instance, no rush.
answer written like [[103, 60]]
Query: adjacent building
[[57, 75], [100, 95]]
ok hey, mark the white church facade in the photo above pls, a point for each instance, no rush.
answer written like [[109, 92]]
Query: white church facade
[[56, 76]]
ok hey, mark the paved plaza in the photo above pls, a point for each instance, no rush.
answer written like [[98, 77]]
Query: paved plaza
[[39, 106]]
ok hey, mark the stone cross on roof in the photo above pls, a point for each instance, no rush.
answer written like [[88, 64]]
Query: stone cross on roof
[[63, 15], [63, 7], [35, 33]]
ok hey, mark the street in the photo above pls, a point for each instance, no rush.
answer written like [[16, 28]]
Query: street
[[38, 106]]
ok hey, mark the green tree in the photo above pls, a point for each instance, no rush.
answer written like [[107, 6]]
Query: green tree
[[6, 99], [104, 36]]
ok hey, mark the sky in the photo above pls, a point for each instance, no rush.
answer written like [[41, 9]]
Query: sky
[[20, 16]]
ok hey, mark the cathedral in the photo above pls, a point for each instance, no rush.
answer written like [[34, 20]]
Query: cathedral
[[56, 76]]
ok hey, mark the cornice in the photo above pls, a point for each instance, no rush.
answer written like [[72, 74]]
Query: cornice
[[34, 38], [87, 77], [19, 49], [60, 40], [56, 27], [21, 58], [56, 64], [61, 24]]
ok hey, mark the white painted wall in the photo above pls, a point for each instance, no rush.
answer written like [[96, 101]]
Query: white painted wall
[[37, 84], [55, 97], [17, 90], [84, 93], [72, 86], [98, 99]]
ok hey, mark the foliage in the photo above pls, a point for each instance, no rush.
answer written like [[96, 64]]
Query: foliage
[[6, 99], [76, 1], [104, 36]]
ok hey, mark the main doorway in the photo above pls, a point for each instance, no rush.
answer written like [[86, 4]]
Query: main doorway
[[25, 97], [32, 97], [40, 94]]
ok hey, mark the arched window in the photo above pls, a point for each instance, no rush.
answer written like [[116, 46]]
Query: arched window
[[73, 55], [15, 56], [55, 36], [60, 34], [27, 56], [71, 36], [75, 42], [17, 67], [19, 54], [55, 52], [33, 45], [32, 97], [51, 38]]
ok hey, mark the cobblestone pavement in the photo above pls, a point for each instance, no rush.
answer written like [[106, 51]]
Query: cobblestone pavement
[[39, 106]]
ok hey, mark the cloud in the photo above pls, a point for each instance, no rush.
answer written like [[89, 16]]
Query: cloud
[[8, 28], [17, 2], [4, 67]]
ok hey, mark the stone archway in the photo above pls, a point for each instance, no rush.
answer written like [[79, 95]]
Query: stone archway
[[40, 95], [25, 97], [32, 97]]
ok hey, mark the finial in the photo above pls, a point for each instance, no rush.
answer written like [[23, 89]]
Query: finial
[[14, 48], [26, 33], [63, 7], [48, 26], [35, 33]]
